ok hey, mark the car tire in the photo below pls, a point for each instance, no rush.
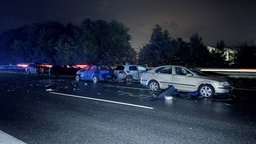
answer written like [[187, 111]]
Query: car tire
[[94, 79], [128, 79], [206, 90], [77, 78], [153, 85]]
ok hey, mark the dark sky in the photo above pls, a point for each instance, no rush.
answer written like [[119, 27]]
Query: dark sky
[[233, 21]]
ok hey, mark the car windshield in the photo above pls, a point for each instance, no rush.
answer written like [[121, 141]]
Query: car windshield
[[104, 67], [119, 68]]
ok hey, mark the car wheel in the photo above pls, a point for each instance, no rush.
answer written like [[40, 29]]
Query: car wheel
[[128, 79], [206, 90], [77, 78], [153, 85], [94, 79]]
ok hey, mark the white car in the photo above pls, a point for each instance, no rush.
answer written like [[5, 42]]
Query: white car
[[184, 80], [129, 72], [32, 69]]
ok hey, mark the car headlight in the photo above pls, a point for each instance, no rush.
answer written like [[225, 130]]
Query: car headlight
[[225, 83]]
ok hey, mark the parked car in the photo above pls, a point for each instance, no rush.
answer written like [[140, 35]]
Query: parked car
[[95, 73], [129, 72], [63, 69], [32, 68], [44, 67], [184, 80]]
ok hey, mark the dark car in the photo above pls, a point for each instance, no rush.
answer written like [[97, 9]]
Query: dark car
[[44, 67], [95, 73], [63, 69]]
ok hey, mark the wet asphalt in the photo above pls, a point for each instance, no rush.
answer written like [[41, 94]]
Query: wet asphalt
[[49, 110]]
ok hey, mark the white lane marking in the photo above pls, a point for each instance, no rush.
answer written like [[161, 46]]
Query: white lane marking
[[8, 139], [102, 100], [126, 87]]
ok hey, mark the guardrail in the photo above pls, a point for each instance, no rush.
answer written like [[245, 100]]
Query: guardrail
[[13, 68], [229, 70], [242, 72]]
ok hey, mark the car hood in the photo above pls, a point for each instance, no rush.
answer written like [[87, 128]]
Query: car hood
[[79, 71]]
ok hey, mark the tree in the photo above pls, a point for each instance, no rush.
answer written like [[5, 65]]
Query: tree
[[49, 34], [218, 55], [6, 40], [104, 42], [246, 56], [182, 55], [160, 50], [198, 53], [37, 42], [68, 47]]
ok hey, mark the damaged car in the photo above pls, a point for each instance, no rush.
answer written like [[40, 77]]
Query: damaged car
[[95, 73], [129, 72], [184, 80]]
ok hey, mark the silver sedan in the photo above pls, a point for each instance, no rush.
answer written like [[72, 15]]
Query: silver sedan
[[184, 80]]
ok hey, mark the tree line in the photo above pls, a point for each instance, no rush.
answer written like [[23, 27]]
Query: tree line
[[109, 43], [163, 49], [52, 42]]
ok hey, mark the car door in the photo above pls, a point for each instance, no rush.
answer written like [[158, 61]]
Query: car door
[[84, 73], [62, 70], [133, 71], [183, 79], [141, 69], [164, 76], [91, 72]]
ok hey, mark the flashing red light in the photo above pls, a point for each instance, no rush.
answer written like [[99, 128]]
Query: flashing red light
[[45, 65], [48, 65], [22, 65], [81, 65]]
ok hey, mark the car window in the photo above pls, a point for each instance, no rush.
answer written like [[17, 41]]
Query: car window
[[31, 65], [164, 70], [119, 68], [86, 68], [63, 66], [104, 67], [133, 68], [93, 67], [142, 69], [181, 71]]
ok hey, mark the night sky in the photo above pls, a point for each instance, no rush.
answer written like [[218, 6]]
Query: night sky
[[233, 21]]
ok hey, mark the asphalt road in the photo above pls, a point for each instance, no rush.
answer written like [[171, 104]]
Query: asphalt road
[[48, 110]]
